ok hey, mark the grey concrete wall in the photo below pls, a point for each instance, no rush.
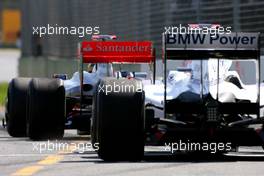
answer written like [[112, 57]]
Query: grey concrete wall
[[46, 67]]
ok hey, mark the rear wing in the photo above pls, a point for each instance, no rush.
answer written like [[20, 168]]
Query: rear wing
[[235, 46], [117, 51], [198, 46]]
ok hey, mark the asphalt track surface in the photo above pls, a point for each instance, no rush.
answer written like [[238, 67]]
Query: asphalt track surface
[[20, 157]]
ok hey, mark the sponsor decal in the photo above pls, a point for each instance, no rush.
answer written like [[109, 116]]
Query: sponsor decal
[[202, 39]]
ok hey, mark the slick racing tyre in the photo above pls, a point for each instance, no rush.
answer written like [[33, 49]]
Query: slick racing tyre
[[120, 119], [16, 107], [46, 109]]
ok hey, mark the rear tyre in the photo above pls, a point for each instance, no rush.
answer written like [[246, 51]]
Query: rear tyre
[[16, 107], [120, 121], [46, 110]]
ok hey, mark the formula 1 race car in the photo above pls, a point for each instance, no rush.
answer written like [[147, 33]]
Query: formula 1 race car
[[208, 103], [42, 108], [200, 106]]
